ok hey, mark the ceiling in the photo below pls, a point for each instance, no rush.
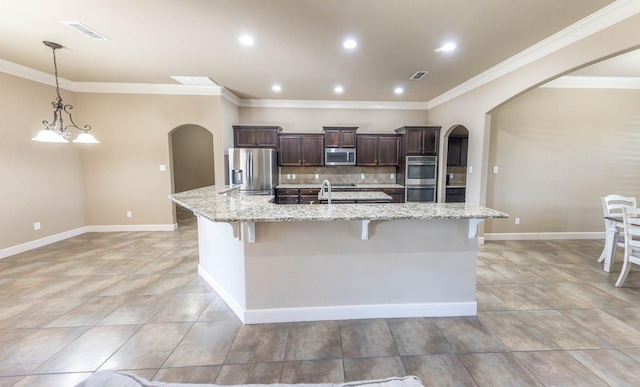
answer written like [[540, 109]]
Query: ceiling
[[298, 43]]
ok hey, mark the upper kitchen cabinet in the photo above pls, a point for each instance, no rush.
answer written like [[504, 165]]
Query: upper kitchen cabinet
[[301, 150], [457, 151], [377, 150], [419, 140], [251, 136], [339, 136]]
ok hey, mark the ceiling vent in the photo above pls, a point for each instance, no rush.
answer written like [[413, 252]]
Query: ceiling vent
[[194, 81], [418, 75], [84, 30]]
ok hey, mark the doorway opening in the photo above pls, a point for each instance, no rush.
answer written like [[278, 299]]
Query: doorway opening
[[192, 163], [456, 172]]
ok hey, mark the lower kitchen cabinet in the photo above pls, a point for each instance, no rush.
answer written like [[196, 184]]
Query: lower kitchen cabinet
[[397, 194], [455, 195]]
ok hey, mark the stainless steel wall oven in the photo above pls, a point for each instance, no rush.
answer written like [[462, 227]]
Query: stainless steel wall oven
[[421, 178]]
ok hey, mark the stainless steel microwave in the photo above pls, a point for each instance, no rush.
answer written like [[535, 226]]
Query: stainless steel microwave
[[339, 156]]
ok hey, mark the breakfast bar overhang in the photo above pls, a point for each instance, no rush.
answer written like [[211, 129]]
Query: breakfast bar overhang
[[284, 263]]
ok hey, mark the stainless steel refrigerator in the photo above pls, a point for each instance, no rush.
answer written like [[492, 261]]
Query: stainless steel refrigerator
[[253, 170]]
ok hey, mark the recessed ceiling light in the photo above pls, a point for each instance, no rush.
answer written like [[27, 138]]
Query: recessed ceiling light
[[276, 88], [350, 44], [246, 40], [450, 46], [338, 89], [398, 90]]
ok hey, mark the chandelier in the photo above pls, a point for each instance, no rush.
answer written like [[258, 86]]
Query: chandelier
[[57, 131]]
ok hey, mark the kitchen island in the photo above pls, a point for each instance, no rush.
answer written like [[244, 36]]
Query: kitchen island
[[277, 263]]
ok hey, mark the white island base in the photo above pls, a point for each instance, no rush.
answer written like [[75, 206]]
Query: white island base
[[307, 271]]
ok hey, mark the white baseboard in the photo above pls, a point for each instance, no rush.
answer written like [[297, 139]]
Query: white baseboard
[[21, 248], [338, 312], [542, 236]]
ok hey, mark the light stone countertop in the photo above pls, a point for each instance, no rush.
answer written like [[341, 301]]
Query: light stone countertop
[[224, 204], [368, 196]]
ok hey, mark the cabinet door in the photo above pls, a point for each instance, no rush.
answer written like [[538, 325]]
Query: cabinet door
[[348, 139], [245, 138], [464, 149], [332, 138], [313, 150], [453, 153], [290, 151], [366, 151], [388, 151], [266, 138], [430, 141], [414, 142]]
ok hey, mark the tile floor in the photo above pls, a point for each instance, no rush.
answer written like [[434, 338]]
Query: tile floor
[[548, 315]]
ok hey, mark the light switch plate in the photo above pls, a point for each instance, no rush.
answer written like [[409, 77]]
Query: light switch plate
[[495, 169], [163, 168], [36, 226]]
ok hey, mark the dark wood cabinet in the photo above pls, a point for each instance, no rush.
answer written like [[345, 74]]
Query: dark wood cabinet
[[455, 195], [287, 196], [245, 136], [340, 136], [377, 150], [420, 140], [397, 194], [457, 151], [309, 196], [301, 150]]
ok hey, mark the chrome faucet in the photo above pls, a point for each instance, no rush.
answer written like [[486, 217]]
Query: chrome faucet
[[325, 185]]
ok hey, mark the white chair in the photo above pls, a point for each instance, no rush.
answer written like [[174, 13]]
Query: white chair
[[631, 222], [612, 206]]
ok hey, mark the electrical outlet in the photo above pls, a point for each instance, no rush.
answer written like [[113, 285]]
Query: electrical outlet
[[517, 220], [392, 176], [495, 169], [293, 177], [129, 214], [317, 176], [36, 226], [362, 175], [470, 169], [288, 176]]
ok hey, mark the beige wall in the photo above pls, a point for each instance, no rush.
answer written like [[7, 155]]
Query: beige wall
[[38, 182], [122, 174], [305, 120], [558, 151], [191, 157]]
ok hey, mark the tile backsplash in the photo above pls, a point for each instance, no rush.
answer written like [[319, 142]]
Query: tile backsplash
[[458, 176], [338, 175]]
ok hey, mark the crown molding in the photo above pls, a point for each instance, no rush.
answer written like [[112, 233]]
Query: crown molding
[[145, 88], [574, 82], [227, 94], [606, 17], [314, 104]]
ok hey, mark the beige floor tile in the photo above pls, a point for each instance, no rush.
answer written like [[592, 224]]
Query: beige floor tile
[[90, 350], [373, 368], [610, 329], [149, 347], [366, 338], [206, 343], [90, 312], [136, 310], [558, 368], [612, 366], [58, 380], [467, 334], [259, 343], [418, 336], [169, 284], [27, 354], [498, 369], [183, 308], [574, 296], [507, 297], [515, 333], [438, 370], [313, 371], [130, 285], [313, 340], [202, 375], [257, 373], [41, 314], [218, 310]]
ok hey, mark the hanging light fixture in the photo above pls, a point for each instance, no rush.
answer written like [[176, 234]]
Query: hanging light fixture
[[57, 131]]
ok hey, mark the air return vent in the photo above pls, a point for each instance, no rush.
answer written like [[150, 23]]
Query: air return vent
[[84, 30], [194, 81], [418, 75]]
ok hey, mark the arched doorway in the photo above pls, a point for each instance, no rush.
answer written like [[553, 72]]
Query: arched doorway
[[192, 162], [456, 170]]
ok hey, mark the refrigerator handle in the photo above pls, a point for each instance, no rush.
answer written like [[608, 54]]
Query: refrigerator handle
[[250, 169]]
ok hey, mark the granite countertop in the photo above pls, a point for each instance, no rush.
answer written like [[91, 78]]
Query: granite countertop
[[456, 186], [336, 186], [224, 204]]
